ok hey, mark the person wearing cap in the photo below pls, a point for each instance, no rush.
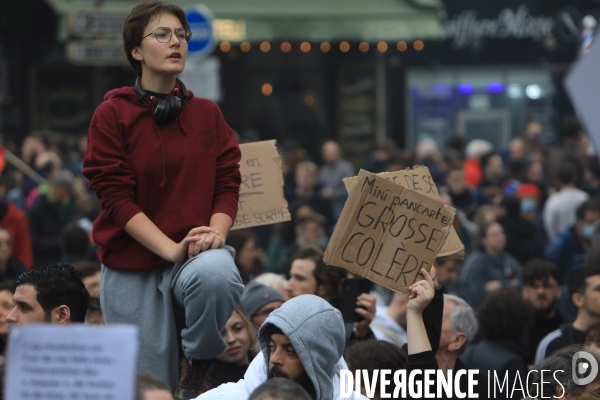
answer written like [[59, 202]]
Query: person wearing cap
[[259, 301]]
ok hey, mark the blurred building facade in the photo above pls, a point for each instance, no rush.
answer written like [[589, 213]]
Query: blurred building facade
[[355, 71]]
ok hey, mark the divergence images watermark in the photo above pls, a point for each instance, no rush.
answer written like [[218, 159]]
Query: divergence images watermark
[[432, 383]]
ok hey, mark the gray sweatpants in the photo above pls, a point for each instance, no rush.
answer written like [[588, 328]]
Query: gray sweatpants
[[182, 306]]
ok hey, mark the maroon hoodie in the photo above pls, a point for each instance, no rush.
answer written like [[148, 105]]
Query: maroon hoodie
[[178, 173]]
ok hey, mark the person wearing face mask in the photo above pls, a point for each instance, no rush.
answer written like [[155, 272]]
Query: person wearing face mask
[[569, 248], [232, 363]]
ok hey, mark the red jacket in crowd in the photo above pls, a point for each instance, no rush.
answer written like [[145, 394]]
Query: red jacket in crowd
[[15, 222]]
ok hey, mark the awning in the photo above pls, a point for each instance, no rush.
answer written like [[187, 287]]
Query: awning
[[293, 20]]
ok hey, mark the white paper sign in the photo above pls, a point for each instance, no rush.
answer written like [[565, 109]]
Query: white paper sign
[[71, 362]]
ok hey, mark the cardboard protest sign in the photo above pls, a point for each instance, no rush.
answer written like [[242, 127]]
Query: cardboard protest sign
[[261, 191], [71, 362], [419, 179], [387, 233]]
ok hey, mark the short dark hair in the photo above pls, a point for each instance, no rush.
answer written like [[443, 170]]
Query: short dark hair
[[578, 279], [324, 274], [74, 240], [540, 269], [512, 205], [486, 158], [588, 205], [9, 285], [504, 314], [567, 173], [371, 355], [279, 389], [146, 381], [138, 19], [58, 284], [94, 306], [268, 330]]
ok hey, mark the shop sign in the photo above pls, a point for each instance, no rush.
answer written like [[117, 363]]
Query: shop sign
[[96, 53], [466, 27], [96, 23]]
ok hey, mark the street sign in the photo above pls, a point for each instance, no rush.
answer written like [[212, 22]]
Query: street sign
[[203, 41], [84, 23], [96, 53]]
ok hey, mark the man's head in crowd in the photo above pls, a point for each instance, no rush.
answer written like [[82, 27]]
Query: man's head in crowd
[[587, 216], [306, 175], [504, 315], [492, 239], [560, 365], [90, 276], [279, 389], [310, 275], [447, 270], [584, 290], [518, 149], [74, 242], [61, 185], [149, 387], [371, 355], [492, 166], [331, 152], [303, 340], [533, 132], [53, 293], [310, 229], [459, 326], [567, 175], [541, 285], [259, 301], [455, 179]]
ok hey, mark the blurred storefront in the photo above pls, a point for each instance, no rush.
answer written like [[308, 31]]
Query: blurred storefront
[[356, 71], [500, 65], [306, 71]]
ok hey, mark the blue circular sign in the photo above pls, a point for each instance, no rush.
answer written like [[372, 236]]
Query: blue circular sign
[[201, 23]]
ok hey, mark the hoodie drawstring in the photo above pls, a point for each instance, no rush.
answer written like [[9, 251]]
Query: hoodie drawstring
[[181, 126], [162, 148]]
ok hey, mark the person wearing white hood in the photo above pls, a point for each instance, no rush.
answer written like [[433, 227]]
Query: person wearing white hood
[[303, 340]]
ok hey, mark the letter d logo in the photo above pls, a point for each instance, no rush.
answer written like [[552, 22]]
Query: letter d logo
[[590, 364]]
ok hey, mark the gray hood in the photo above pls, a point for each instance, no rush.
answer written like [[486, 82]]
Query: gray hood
[[316, 330]]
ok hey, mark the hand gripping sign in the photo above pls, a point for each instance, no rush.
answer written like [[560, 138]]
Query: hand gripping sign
[[387, 232]]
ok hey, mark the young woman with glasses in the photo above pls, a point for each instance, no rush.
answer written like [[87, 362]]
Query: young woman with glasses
[[164, 165]]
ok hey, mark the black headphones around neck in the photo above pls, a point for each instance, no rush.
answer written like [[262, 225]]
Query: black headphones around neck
[[166, 109]]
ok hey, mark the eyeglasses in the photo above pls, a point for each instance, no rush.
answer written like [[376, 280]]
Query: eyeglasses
[[164, 35]]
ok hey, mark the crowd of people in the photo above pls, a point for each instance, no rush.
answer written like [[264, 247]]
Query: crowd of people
[[132, 224]]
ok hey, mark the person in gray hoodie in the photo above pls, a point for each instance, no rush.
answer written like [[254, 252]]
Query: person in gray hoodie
[[304, 341]]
